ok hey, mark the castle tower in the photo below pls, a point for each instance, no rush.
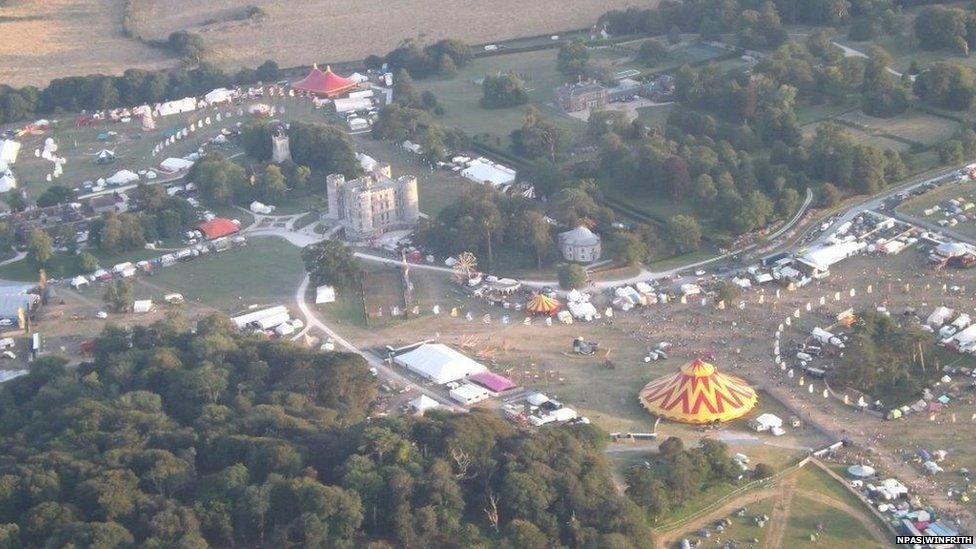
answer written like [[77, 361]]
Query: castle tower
[[409, 211], [280, 150], [335, 188]]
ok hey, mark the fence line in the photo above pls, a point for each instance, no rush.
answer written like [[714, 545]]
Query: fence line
[[762, 483]]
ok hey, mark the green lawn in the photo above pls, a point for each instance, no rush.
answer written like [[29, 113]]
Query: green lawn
[[65, 265], [621, 58], [807, 113], [654, 116], [461, 94], [965, 190], [132, 147], [840, 530], [266, 272]]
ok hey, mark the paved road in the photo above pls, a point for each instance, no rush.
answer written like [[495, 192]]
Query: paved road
[[383, 371], [307, 236]]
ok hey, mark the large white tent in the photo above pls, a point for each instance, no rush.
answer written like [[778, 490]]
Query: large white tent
[[9, 149], [482, 170], [178, 106], [439, 363], [122, 177], [175, 165], [219, 95]]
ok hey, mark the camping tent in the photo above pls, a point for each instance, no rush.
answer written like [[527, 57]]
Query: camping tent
[[122, 177], [439, 363], [698, 393], [542, 304]]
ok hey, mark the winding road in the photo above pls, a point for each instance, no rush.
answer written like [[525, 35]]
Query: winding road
[[383, 370]]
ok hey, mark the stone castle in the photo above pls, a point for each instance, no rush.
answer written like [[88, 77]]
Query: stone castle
[[370, 205]]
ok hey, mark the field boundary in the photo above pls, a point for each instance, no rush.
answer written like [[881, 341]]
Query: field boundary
[[711, 507]]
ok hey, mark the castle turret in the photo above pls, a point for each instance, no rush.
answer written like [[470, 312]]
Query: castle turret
[[334, 186], [280, 151], [410, 212]]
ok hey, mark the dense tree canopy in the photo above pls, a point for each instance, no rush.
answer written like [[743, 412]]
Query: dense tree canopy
[[166, 438], [887, 360], [332, 262], [503, 90]]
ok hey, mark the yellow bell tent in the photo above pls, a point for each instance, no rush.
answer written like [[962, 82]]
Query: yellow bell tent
[[698, 393], [541, 304]]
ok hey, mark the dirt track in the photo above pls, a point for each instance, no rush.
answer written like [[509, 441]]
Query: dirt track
[[785, 492]]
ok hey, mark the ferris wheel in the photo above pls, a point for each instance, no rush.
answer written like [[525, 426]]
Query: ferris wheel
[[466, 265]]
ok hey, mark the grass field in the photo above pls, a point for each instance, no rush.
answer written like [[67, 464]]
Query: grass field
[[811, 499], [965, 190], [58, 38], [296, 33], [807, 113], [80, 145], [461, 94], [861, 136], [384, 290], [916, 126], [65, 265], [265, 272], [654, 116], [840, 530], [621, 57]]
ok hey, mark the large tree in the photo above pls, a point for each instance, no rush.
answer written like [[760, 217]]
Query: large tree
[[332, 262]]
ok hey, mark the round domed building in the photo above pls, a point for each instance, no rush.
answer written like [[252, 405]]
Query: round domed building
[[580, 244]]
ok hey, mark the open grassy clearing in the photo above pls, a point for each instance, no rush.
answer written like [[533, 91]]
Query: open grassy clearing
[[916, 126], [81, 145], [654, 116], [840, 529], [56, 38], [864, 137], [965, 190], [461, 94], [814, 479], [65, 265], [621, 56], [744, 529], [296, 33], [265, 272], [807, 113]]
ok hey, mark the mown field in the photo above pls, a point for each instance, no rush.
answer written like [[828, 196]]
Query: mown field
[[296, 33], [54, 38], [265, 272], [461, 94]]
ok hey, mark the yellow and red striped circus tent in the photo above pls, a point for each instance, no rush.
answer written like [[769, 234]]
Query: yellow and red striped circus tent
[[541, 304], [698, 393]]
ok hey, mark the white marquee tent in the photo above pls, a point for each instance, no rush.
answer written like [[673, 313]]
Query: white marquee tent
[[122, 177], [175, 165], [439, 363]]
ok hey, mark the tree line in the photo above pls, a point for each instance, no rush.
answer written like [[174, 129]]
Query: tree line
[[134, 87], [212, 438]]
